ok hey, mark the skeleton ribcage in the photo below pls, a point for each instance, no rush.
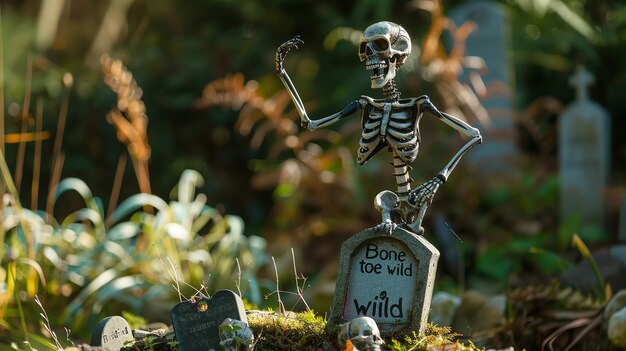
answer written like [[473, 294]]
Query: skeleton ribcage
[[396, 128]]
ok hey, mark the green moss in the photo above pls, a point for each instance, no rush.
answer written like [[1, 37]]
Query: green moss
[[135, 321], [306, 331], [434, 338], [296, 331]]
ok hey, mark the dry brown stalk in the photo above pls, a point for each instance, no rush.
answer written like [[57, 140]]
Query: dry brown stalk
[[55, 178], [2, 117], [25, 119], [34, 193], [129, 117], [117, 184], [57, 156]]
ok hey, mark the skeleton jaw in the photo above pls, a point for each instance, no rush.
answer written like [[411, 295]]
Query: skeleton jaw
[[383, 71]]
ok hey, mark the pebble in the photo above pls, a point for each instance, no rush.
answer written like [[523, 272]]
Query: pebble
[[617, 303], [442, 308], [617, 328]]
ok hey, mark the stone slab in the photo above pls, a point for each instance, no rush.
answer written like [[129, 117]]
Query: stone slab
[[112, 333], [196, 324], [386, 277], [584, 156], [490, 41]]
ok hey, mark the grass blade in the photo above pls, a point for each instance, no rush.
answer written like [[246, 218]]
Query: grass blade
[[600, 289]]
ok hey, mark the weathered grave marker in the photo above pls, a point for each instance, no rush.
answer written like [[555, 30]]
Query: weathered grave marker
[[112, 333], [386, 277], [584, 155], [490, 42], [196, 324], [386, 272]]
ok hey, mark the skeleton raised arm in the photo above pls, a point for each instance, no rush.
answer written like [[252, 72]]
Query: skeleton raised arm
[[390, 123], [281, 54]]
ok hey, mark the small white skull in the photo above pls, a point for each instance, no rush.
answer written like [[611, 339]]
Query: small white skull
[[385, 47], [362, 332], [235, 335]]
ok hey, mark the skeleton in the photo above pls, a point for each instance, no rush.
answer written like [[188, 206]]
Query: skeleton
[[390, 122], [362, 332]]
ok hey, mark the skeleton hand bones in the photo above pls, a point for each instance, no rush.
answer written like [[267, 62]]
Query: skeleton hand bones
[[423, 195], [392, 122], [283, 50], [281, 54]]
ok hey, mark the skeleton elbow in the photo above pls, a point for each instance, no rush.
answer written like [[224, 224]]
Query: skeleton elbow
[[475, 134]]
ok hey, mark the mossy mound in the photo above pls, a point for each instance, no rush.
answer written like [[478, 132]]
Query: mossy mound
[[306, 331]]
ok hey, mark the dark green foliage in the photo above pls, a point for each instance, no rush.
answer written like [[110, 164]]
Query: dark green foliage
[[174, 49]]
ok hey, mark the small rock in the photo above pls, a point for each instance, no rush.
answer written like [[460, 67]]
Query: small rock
[[442, 308], [619, 251], [478, 315], [617, 328], [617, 303]]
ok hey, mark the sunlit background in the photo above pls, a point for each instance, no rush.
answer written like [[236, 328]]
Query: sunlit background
[[179, 101]]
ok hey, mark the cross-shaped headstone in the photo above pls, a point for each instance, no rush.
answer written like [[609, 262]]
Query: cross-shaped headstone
[[584, 155], [581, 80]]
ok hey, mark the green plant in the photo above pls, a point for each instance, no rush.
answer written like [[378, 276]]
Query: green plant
[[90, 266]]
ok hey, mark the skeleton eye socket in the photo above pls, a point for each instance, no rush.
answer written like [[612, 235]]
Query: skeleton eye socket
[[362, 48], [380, 44], [367, 332], [402, 45]]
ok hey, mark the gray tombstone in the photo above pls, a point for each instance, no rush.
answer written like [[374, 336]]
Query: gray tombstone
[[196, 324], [112, 333], [621, 232], [584, 155], [490, 41], [386, 277]]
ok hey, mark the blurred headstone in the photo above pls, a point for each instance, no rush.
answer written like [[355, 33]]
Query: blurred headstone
[[491, 42], [196, 323], [584, 155], [621, 236], [386, 277], [443, 308], [112, 333], [479, 316]]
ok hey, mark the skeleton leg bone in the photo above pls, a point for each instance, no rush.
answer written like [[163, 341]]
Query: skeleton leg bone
[[386, 202]]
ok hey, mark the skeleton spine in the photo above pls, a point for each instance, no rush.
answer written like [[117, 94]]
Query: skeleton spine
[[401, 172], [390, 91]]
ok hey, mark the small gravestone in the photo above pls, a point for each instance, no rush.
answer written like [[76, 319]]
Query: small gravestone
[[386, 277], [621, 234], [196, 323], [112, 333], [490, 41], [584, 155]]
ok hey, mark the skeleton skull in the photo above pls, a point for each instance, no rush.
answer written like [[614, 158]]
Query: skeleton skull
[[235, 335], [362, 332], [385, 47]]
